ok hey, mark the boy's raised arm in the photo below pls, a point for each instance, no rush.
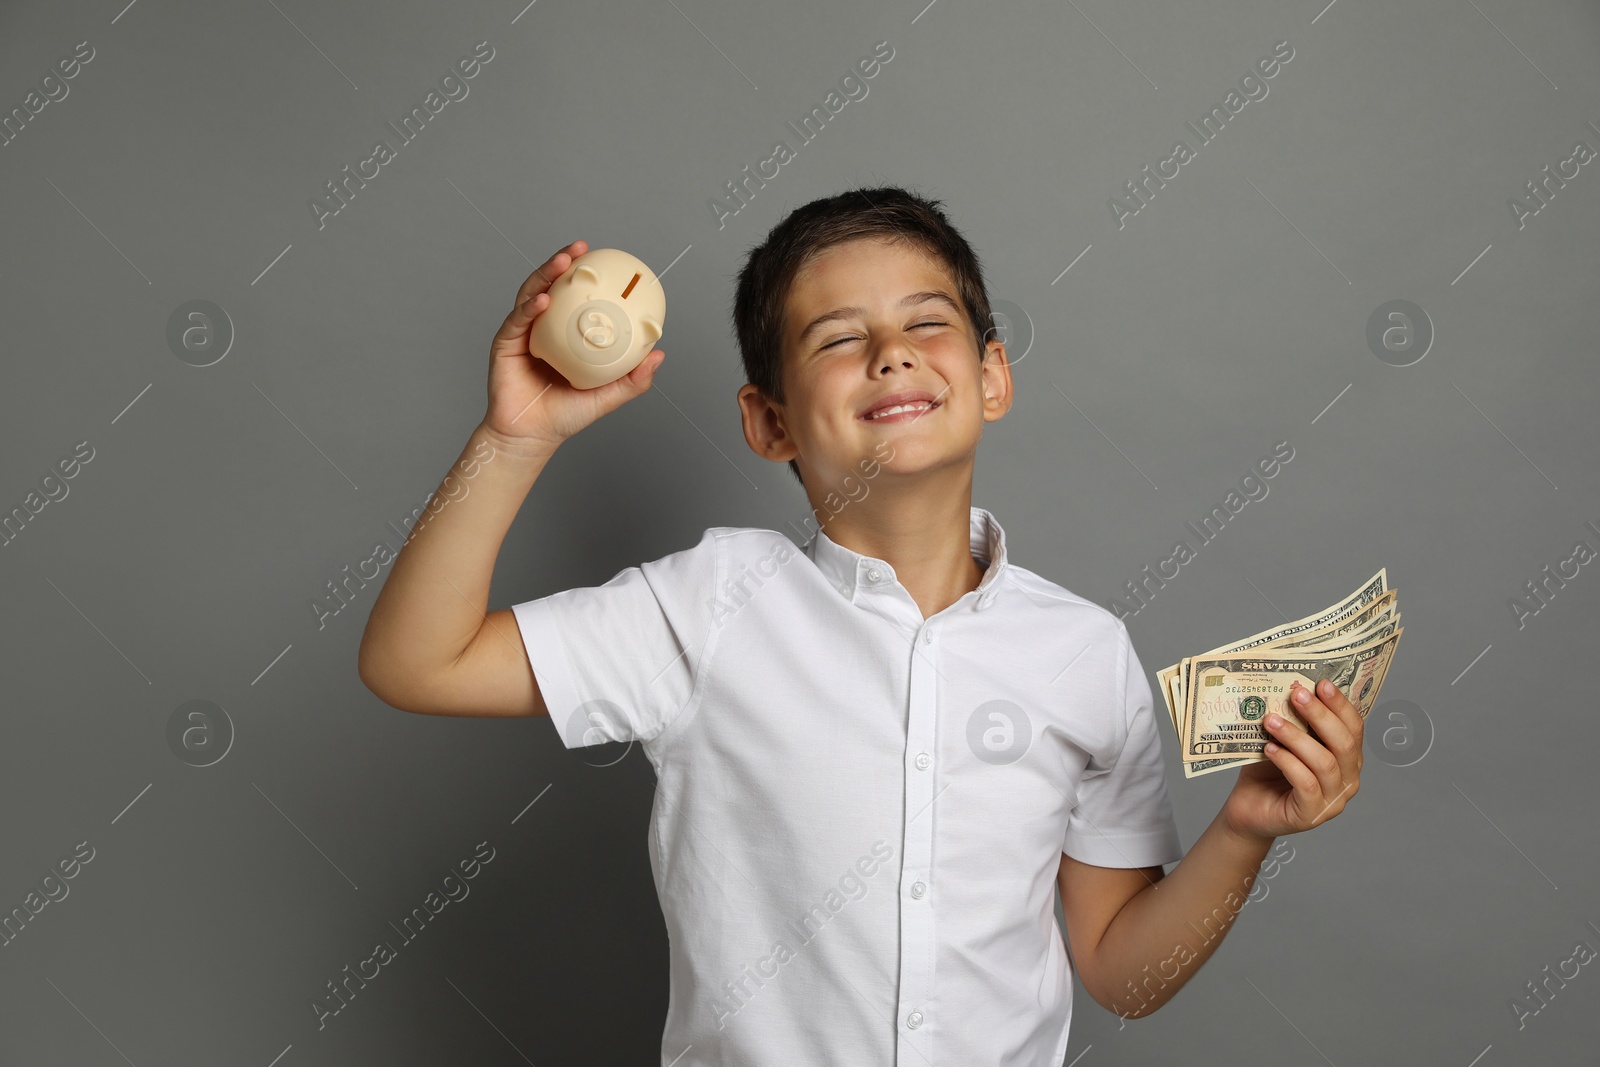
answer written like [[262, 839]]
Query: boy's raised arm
[[430, 645]]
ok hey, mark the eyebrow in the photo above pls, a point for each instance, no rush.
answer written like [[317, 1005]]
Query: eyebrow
[[846, 312]]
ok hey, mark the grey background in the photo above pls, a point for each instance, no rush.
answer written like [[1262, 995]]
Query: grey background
[[1227, 315]]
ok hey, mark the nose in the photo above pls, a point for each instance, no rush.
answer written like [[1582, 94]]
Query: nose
[[895, 353]]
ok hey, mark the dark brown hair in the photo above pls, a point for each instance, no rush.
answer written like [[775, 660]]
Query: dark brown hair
[[884, 212]]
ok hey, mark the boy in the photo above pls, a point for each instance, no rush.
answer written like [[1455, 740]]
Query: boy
[[878, 756]]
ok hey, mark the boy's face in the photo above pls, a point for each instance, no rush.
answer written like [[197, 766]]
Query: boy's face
[[858, 327]]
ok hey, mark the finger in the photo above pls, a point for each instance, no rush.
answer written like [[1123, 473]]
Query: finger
[[611, 395], [1295, 771], [637, 381], [1331, 729], [651, 363], [1349, 714], [546, 273], [1342, 706], [1324, 765], [512, 337]]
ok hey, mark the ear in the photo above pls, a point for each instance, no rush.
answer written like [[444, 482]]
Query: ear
[[763, 426], [651, 329], [587, 273], [997, 382]]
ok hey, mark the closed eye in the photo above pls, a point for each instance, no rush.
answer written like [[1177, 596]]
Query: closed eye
[[930, 322]]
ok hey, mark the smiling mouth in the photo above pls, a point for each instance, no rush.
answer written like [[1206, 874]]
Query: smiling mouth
[[902, 412]]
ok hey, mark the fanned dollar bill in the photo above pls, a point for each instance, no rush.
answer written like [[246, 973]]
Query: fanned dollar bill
[[1352, 643], [1231, 695]]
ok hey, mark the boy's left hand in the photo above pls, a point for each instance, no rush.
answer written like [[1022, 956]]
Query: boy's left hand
[[1310, 777]]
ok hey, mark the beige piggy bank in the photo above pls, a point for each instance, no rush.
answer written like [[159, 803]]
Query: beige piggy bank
[[605, 314]]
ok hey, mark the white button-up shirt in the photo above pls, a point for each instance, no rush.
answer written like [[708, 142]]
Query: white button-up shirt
[[859, 813]]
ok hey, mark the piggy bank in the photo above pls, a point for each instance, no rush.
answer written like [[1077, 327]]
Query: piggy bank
[[605, 314]]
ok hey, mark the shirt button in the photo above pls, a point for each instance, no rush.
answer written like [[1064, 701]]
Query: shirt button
[[914, 1020], [923, 761], [874, 573], [927, 636], [917, 889]]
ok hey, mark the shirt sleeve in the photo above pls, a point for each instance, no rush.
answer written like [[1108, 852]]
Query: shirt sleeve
[[1124, 815], [621, 661]]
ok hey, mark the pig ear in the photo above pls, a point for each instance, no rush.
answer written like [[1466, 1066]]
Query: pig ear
[[586, 273], [651, 329]]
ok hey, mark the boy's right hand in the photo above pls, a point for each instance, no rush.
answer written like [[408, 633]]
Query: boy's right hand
[[532, 403]]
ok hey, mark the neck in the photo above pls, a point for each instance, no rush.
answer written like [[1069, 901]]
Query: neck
[[924, 533]]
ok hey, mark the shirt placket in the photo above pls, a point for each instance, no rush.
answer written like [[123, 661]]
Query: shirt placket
[[914, 1019]]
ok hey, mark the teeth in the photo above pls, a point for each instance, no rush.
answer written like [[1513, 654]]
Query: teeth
[[918, 406]]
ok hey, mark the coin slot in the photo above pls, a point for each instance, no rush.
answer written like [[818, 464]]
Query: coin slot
[[629, 289]]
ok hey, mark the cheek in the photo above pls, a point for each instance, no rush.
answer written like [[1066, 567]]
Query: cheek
[[959, 364], [830, 393], [959, 346]]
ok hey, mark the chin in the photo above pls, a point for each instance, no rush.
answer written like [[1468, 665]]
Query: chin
[[908, 457]]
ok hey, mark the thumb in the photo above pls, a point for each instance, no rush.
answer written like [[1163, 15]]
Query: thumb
[[644, 375], [635, 383]]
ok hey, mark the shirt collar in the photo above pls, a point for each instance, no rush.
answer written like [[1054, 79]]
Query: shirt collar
[[848, 570]]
